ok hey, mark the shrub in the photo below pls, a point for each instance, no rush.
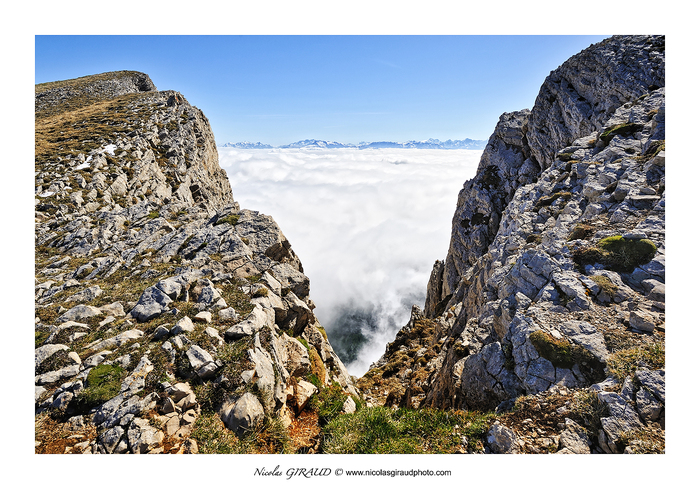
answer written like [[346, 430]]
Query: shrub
[[626, 254], [534, 238], [590, 409], [563, 354], [318, 371], [213, 437], [261, 292]]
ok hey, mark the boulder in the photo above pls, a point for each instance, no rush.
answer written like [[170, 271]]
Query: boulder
[[44, 352], [201, 361], [502, 439], [184, 325], [78, 313], [244, 414]]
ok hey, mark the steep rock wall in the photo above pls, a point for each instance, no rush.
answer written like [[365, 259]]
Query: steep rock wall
[[555, 274], [163, 310], [575, 100]]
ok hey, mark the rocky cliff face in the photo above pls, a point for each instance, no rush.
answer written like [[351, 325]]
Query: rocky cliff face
[[553, 290], [163, 310]]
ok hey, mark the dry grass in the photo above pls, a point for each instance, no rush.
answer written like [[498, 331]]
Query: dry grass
[[83, 129], [55, 437]]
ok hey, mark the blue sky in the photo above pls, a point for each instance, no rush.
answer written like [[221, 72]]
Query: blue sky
[[280, 89]]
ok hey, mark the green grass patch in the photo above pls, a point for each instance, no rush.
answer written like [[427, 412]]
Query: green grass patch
[[103, 383], [384, 430], [563, 354], [590, 410], [557, 351], [328, 403], [230, 219], [616, 253], [624, 130]]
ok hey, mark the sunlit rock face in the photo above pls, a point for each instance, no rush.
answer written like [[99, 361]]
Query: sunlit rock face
[[158, 299], [557, 256]]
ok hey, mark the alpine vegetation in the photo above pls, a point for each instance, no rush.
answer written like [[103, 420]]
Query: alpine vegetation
[[170, 320]]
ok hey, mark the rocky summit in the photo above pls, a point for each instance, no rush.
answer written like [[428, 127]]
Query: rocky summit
[[549, 308], [169, 320]]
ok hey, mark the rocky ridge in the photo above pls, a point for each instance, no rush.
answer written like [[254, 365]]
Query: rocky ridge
[[163, 310], [550, 304]]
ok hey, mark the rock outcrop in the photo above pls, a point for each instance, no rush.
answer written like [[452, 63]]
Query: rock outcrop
[[553, 285], [158, 300]]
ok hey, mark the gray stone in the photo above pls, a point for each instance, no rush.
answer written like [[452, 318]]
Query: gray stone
[[136, 380], [114, 309], [57, 375], [161, 332], [502, 439], [210, 297], [96, 359], [184, 325], [654, 381], [110, 438], [203, 317], [243, 415], [349, 406], [303, 391], [294, 356], [228, 313], [143, 437], [179, 391], [86, 295], [573, 439], [79, 312], [642, 320], [118, 340], [623, 418], [44, 352], [658, 293], [648, 406], [152, 303], [201, 361], [253, 323], [586, 335]]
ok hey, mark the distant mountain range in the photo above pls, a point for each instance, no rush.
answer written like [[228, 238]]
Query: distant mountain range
[[319, 144]]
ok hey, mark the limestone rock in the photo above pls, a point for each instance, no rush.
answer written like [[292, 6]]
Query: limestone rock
[[243, 415], [78, 313], [502, 439]]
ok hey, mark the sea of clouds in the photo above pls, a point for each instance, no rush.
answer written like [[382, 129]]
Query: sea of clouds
[[367, 225]]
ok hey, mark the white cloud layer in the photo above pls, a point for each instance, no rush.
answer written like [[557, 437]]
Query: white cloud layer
[[366, 224]]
